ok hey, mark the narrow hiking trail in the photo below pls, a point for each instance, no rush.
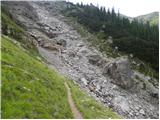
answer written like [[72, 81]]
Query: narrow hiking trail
[[76, 113]]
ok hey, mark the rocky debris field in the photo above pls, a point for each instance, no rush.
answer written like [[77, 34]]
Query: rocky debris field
[[108, 80]]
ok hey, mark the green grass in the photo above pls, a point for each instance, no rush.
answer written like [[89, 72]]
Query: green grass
[[29, 88], [90, 108]]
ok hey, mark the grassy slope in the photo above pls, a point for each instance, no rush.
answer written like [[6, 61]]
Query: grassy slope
[[88, 106], [29, 88]]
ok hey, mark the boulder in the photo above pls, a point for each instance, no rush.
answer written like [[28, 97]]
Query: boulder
[[62, 42], [52, 35], [154, 92], [80, 44], [119, 70], [83, 50], [120, 102], [94, 59], [51, 46]]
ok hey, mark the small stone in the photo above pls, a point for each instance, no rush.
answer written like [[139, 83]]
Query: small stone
[[136, 107], [137, 114], [84, 81], [80, 45], [116, 48], [142, 112], [129, 102], [131, 114], [131, 55]]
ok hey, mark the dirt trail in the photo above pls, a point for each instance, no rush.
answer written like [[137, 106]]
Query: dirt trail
[[76, 113]]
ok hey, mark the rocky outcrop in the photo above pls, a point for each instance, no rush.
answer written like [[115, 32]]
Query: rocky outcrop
[[119, 70]]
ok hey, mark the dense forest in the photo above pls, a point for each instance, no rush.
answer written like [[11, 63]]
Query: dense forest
[[131, 37]]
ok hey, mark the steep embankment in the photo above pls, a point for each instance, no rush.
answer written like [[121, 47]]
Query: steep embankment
[[32, 90]]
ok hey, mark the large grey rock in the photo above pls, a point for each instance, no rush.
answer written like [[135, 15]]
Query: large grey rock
[[80, 44], [83, 50], [120, 71], [96, 60], [62, 42], [121, 102], [50, 46], [154, 92]]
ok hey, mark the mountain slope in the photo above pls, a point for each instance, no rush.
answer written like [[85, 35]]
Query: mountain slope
[[152, 18], [29, 88]]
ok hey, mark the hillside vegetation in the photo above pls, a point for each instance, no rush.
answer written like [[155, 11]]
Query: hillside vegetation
[[135, 38]]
